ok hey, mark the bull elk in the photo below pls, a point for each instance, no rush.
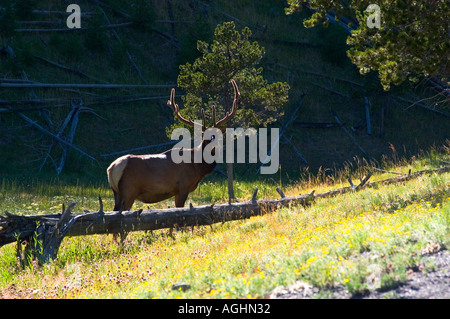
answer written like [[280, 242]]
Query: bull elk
[[155, 177]]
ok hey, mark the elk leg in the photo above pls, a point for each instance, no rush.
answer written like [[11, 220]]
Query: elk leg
[[180, 199], [117, 202], [121, 205]]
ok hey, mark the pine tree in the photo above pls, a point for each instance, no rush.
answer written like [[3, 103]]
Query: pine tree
[[207, 82], [411, 40]]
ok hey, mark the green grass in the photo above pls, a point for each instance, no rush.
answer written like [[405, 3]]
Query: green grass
[[361, 241]]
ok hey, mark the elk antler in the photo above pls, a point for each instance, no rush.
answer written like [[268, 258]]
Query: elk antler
[[176, 109], [233, 109], [189, 121]]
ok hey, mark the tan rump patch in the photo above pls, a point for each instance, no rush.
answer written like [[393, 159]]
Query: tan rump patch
[[115, 171]]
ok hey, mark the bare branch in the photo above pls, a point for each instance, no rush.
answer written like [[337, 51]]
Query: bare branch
[[82, 86], [40, 128]]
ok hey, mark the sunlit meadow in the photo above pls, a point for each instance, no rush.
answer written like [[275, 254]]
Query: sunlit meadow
[[365, 240]]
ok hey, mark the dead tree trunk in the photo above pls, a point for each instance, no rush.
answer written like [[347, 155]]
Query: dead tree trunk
[[230, 178], [48, 231]]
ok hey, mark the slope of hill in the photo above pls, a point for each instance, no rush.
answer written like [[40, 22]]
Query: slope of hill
[[370, 242]]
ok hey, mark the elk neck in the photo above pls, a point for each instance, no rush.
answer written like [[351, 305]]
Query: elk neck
[[203, 168]]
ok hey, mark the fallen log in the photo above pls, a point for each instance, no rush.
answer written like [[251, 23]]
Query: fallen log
[[295, 150], [49, 230], [65, 68], [76, 112], [60, 140], [317, 124], [60, 132], [111, 26], [338, 121], [63, 13], [116, 36], [139, 149], [316, 74], [45, 103], [21, 227], [423, 105], [82, 86], [283, 130]]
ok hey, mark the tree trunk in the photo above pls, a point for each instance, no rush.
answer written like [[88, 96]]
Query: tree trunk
[[230, 182]]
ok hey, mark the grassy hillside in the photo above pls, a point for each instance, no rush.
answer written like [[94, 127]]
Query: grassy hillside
[[369, 240], [312, 60], [361, 241]]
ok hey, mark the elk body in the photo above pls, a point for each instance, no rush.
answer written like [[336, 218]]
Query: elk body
[[155, 177]]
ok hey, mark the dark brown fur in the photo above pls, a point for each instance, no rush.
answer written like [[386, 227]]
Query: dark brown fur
[[155, 177]]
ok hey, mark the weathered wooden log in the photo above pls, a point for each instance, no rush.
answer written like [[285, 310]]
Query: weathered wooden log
[[49, 230], [66, 68], [21, 227], [317, 74], [60, 140], [76, 107], [49, 238], [81, 86], [116, 36], [390, 172], [423, 105], [283, 130], [317, 125], [111, 26], [338, 121], [295, 149], [141, 148]]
